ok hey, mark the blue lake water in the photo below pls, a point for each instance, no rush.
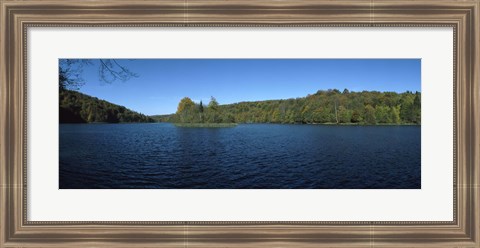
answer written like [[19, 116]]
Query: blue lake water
[[248, 156]]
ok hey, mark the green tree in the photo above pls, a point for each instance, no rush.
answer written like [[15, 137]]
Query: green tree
[[213, 111], [186, 110], [276, 116], [407, 113], [370, 115], [200, 109], [344, 115], [356, 117], [395, 114], [382, 114], [416, 108]]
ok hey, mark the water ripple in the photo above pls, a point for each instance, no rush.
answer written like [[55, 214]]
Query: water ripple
[[250, 156]]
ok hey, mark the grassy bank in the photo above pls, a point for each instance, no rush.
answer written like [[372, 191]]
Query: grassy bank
[[210, 125]]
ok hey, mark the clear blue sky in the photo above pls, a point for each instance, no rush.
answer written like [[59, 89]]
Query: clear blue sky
[[163, 82]]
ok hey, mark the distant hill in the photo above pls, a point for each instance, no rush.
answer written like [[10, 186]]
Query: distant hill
[[163, 118], [76, 107]]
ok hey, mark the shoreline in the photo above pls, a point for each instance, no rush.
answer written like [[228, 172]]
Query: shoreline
[[320, 124], [205, 125], [235, 124]]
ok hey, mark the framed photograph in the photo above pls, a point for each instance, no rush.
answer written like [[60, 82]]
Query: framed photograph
[[239, 124]]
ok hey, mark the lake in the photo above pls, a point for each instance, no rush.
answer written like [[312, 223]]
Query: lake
[[248, 156]]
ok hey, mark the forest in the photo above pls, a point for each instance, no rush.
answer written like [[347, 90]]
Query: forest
[[76, 107], [324, 107]]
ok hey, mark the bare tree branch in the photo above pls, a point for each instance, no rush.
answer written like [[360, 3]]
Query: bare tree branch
[[109, 70]]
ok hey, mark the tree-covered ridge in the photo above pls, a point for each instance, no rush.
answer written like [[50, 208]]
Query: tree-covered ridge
[[330, 106], [76, 107], [163, 118]]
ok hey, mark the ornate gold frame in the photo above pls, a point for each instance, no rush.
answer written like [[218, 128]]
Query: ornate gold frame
[[17, 16]]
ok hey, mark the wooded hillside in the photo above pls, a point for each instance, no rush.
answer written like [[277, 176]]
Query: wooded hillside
[[76, 107], [330, 106]]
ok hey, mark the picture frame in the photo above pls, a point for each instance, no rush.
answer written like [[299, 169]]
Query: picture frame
[[17, 16]]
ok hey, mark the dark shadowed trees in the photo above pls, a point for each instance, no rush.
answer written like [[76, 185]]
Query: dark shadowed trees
[[76, 107]]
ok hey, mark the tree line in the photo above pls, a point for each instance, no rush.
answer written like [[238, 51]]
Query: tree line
[[76, 107], [325, 106]]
